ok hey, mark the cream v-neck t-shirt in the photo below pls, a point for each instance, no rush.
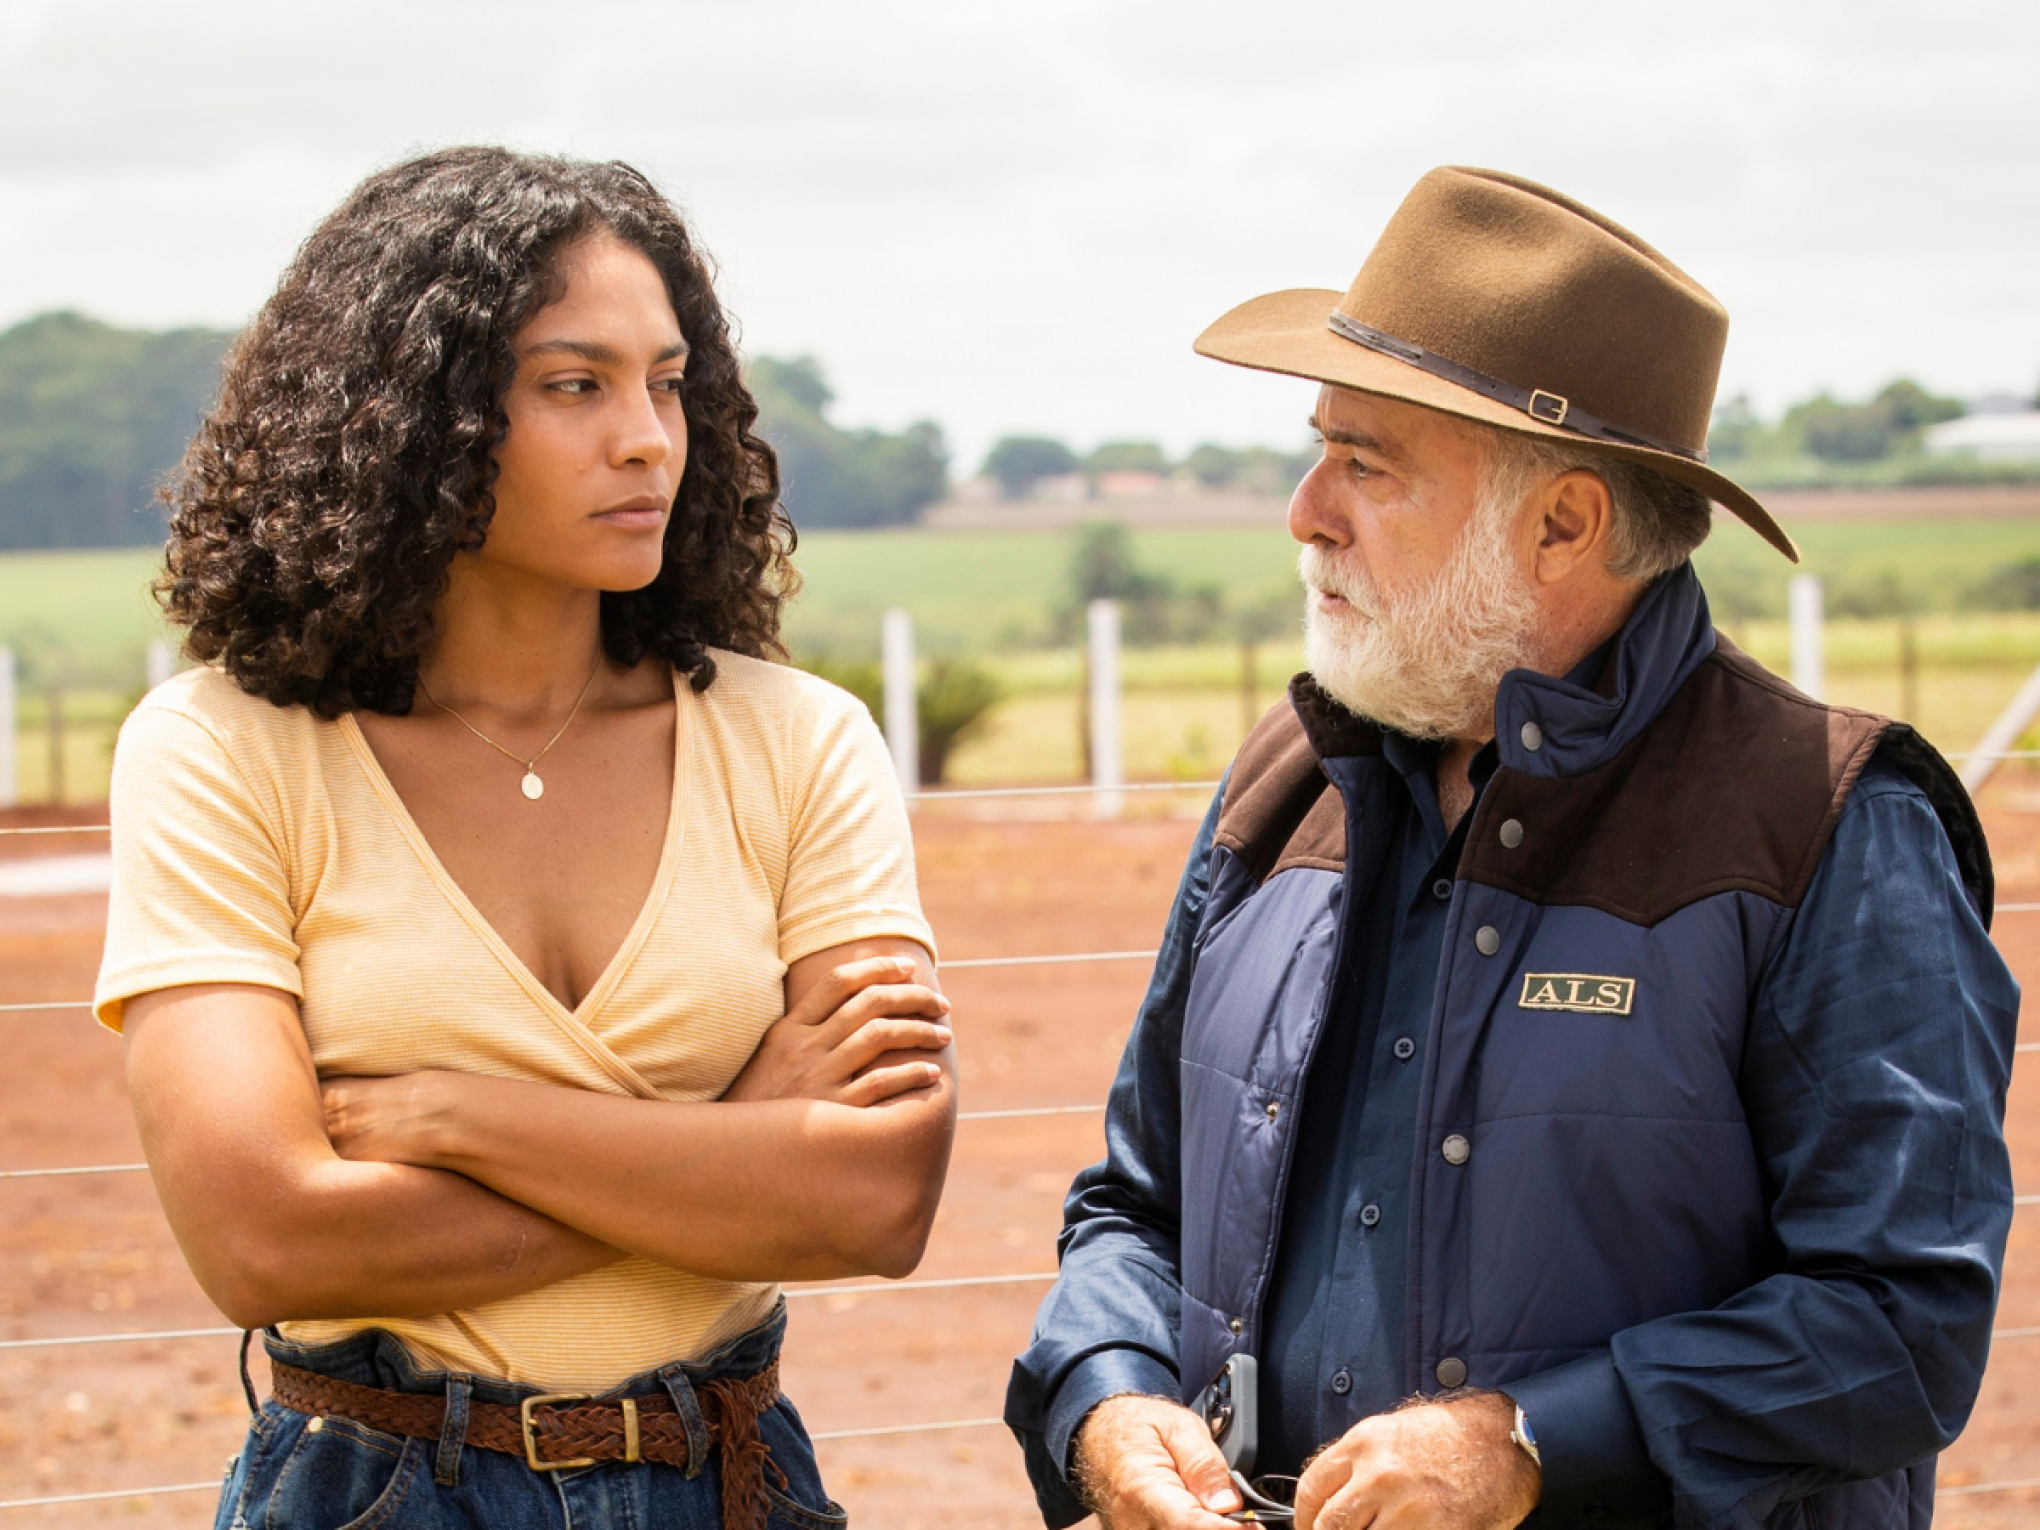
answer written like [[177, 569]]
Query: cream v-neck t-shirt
[[260, 844]]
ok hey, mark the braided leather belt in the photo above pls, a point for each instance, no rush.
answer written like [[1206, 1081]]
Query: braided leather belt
[[558, 1430]]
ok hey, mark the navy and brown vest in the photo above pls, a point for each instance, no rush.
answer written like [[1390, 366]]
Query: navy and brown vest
[[1638, 853]]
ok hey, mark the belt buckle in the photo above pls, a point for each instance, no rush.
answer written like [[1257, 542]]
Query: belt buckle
[[531, 1456]]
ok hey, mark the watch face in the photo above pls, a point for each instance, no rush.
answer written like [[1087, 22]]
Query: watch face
[[1523, 1428]]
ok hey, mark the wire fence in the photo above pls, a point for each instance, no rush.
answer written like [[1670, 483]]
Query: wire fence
[[878, 1288], [989, 793]]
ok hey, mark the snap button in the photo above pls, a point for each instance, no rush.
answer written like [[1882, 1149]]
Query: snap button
[[1533, 737], [1405, 1049], [1342, 1382], [1456, 1149], [1370, 1214], [1238, 1325], [1274, 1109], [1442, 889], [1512, 833], [1487, 940], [1452, 1372]]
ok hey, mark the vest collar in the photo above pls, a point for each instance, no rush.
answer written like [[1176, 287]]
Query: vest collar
[[1580, 728], [1334, 733]]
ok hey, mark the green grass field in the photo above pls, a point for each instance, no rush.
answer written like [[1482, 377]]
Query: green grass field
[[82, 620], [980, 593]]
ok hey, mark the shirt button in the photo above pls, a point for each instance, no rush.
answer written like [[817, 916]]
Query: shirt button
[[1369, 1214], [1342, 1382], [1452, 1372], [1533, 737], [1405, 1049], [1512, 833], [1442, 889], [1456, 1149], [1487, 940]]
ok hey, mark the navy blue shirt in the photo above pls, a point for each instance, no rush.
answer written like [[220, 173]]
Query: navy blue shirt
[[1332, 1353], [1885, 997]]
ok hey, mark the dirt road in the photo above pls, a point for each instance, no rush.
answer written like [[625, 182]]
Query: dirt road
[[91, 1254]]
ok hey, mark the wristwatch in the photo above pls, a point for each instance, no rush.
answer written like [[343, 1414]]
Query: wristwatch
[[1524, 1439]]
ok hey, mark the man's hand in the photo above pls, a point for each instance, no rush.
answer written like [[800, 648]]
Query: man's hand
[[1143, 1463], [1434, 1466], [827, 1045]]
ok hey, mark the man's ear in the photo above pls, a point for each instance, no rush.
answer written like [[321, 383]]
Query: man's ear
[[1576, 517]]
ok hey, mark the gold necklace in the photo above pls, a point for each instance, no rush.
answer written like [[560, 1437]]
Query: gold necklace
[[533, 787]]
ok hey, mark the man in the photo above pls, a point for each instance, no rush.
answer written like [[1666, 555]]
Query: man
[[1575, 1069]]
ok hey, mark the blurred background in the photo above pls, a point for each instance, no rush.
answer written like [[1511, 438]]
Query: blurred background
[[968, 247]]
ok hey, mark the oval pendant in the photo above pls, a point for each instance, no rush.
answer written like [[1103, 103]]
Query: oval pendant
[[533, 787]]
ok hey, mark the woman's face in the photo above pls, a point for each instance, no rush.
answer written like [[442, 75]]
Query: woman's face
[[597, 441]]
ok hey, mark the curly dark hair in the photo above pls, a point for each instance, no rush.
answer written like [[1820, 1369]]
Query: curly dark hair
[[316, 514]]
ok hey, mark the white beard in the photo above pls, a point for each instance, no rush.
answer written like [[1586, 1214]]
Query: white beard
[[1424, 662]]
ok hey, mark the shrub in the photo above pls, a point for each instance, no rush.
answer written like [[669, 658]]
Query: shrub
[[1019, 462], [953, 703], [2010, 587]]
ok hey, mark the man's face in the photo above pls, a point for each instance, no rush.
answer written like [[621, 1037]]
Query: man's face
[[1418, 591]]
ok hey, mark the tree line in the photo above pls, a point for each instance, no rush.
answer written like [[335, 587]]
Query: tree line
[[1021, 465], [93, 416], [1816, 442]]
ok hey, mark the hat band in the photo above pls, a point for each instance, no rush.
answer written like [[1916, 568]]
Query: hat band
[[1545, 408]]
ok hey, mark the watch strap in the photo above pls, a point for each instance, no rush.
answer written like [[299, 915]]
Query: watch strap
[[1524, 1440]]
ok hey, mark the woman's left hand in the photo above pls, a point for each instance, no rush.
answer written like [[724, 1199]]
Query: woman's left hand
[[402, 1119]]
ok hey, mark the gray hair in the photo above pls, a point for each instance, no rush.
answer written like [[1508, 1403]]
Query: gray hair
[[1658, 520]]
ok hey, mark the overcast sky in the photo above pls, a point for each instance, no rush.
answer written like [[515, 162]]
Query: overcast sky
[[1016, 217]]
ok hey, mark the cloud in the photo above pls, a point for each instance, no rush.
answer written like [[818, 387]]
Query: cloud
[[1017, 218]]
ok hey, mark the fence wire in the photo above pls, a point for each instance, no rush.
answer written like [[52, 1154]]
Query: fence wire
[[798, 1293], [1974, 1489], [1019, 1113], [867, 1289], [982, 793]]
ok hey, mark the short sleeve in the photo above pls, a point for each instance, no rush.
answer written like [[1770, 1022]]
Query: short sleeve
[[200, 890], [850, 861]]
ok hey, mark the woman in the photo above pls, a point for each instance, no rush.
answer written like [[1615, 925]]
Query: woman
[[519, 974]]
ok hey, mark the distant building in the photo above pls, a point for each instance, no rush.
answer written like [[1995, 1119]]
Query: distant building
[[2000, 403], [1130, 483], [1061, 486], [2008, 437]]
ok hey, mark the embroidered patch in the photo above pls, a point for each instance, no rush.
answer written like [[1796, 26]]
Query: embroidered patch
[[1582, 991]]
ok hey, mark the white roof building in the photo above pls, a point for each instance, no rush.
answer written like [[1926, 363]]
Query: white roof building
[[1992, 437]]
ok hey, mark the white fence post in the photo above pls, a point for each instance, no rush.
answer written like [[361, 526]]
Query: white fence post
[[1809, 672], [10, 780], [1108, 764], [2002, 735], [162, 664], [902, 720]]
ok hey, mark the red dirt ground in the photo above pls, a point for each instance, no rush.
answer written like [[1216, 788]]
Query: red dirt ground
[[84, 1255]]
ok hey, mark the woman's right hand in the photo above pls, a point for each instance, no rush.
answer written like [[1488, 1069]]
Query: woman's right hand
[[826, 1046]]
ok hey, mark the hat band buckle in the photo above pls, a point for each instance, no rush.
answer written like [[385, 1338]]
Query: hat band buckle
[[1542, 405]]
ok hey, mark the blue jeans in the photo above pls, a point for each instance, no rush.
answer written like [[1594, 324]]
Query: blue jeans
[[345, 1476]]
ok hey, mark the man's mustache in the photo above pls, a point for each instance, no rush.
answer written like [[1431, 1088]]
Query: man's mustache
[[1323, 575]]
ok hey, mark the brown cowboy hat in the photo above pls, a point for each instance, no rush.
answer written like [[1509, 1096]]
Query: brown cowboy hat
[[1497, 299]]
